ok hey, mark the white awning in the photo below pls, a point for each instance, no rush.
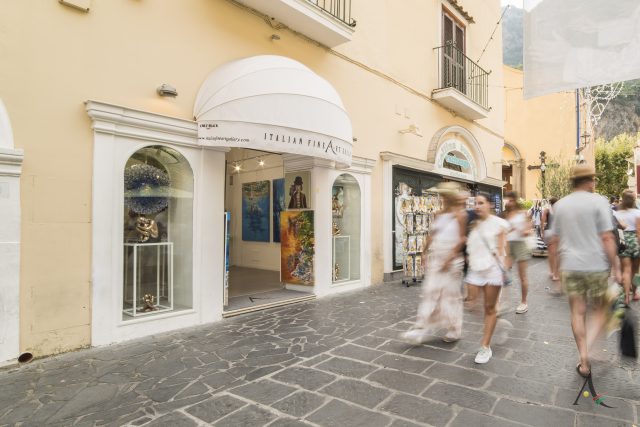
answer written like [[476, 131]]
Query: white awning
[[276, 104]]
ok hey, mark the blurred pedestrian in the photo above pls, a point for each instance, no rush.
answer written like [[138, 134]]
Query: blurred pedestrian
[[520, 228], [441, 303], [582, 236], [629, 215], [547, 218], [486, 250]]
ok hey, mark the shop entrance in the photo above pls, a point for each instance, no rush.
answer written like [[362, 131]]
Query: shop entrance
[[256, 193]]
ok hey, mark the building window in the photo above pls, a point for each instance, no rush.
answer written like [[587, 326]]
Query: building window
[[453, 31], [158, 233], [346, 215]]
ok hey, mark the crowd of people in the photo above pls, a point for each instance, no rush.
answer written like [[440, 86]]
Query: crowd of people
[[470, 255]]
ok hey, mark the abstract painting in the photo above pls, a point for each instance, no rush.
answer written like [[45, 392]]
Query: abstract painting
[[297, 247], [278, 206], [255, 211]]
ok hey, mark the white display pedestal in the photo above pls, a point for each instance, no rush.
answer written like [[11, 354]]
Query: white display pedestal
[[341, 256], [135, 255]]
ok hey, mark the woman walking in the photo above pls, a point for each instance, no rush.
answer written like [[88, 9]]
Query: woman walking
[[629, 215], [547, 217], [519, 253], [486, 249], [441, 305]]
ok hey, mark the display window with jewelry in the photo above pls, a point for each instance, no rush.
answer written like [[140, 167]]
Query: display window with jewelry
[[346, 227], [158, 233]]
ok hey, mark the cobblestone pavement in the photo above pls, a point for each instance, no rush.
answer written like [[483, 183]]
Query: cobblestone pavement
[[332, 362]]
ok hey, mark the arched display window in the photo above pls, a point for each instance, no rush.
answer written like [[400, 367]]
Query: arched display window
[[346, 226], [158, 233]]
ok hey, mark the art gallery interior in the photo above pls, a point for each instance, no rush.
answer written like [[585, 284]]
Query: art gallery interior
[[254, 198]]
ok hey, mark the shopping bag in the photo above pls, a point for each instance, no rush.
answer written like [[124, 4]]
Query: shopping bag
[[628, 334]]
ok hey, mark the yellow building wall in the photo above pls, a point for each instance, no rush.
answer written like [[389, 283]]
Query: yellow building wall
[[55, 57], [546, 123]]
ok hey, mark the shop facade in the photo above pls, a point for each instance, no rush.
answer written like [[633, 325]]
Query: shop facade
[[160, 183], [454, 155]]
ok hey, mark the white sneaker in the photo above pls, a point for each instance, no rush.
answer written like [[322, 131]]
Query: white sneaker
[[483, 355], [522, 308], [415, 336]]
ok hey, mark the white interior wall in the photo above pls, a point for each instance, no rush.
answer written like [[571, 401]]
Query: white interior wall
[[261, 255]]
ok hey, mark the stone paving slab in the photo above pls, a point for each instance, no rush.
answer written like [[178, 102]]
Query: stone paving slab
[[331, 362]]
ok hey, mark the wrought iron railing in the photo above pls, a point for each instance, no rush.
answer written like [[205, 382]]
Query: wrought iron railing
[[456, 70], [340, 9]]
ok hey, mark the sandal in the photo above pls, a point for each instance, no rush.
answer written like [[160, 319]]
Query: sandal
[[583, 375]]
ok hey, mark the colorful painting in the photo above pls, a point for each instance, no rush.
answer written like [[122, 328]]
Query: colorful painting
[[279, 205], [298, 185], [297, 247], [255, 211]]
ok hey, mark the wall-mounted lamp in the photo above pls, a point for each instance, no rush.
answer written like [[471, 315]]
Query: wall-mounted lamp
[[275, 37], [167, 90], [412, 129], [261, 162]]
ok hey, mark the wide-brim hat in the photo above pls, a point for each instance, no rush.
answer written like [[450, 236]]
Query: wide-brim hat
[[582, 171], [298, 180], [446, 189]]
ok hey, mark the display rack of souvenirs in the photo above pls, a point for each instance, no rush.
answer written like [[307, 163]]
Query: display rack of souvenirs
[[416, 213]]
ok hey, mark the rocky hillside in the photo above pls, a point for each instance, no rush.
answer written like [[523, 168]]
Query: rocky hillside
[[623, 113]]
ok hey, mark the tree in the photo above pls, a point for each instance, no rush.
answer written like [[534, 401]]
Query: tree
[[556, 178], [612, 165]]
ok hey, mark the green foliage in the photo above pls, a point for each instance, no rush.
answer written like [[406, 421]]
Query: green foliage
[[525, 204], [612, 165], [557, 183]]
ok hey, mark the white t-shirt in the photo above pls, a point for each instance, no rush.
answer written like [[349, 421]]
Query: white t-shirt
[[483, 242], [579, 220], [628, 217], [518, 224]]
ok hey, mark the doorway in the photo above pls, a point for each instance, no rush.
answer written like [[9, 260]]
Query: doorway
[[254, 198]]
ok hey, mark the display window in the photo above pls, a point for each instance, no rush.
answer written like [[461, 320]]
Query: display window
[[158, 233], [346, 226]]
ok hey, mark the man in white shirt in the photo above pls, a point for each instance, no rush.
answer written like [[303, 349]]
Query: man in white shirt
[[582, 236]]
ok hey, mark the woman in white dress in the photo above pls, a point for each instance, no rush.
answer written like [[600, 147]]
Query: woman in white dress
[[441, 304], [486, 251]]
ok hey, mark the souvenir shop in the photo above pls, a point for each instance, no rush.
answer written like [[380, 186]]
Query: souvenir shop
[[253, 205], [409, 206]]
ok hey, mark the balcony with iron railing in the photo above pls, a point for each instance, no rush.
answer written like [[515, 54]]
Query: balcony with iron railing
[[463, 86], [329, 22]]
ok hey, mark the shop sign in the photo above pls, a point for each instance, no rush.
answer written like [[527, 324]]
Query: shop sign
[[464, 159], [274, 139]]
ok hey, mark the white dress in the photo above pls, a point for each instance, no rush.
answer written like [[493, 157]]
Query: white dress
[[441, 305], [481, 247]]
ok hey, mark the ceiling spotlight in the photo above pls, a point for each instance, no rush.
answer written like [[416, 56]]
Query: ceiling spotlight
[[275, 37], [167, 90], [261, 162], [236, 167]]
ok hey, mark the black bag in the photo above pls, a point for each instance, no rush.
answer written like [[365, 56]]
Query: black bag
[[628, 334]]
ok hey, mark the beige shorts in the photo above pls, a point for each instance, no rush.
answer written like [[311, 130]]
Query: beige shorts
[[518, 250], [589, 284]]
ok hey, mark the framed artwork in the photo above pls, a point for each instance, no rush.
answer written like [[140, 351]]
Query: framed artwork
[[337, 201], [279, 205], [255, 211], [298, 187], [297, 247]]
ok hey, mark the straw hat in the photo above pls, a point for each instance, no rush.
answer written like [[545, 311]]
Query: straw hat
[[582, 171], [446, 189]]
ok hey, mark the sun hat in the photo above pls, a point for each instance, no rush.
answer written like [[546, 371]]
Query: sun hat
[[446, 188], [582, 171]]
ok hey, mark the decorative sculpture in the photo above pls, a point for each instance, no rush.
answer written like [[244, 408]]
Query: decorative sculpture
[[149, 300], [336, 272], [335, 229], [147, 228]]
